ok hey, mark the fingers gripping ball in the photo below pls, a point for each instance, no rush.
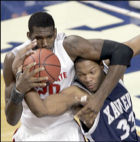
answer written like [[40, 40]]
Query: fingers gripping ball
[[47, 59]]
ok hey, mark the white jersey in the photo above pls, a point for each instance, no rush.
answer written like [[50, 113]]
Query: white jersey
[[66, 77]]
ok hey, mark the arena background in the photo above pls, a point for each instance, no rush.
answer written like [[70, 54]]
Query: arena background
[[91, 19]]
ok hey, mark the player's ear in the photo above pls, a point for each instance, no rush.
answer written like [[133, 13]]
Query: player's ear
[[29, 35]]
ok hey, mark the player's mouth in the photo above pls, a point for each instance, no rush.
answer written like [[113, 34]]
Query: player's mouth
[[91, 86]]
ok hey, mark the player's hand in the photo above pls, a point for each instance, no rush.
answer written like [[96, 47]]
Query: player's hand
[[22, 54], [88, 118], [26, 81], [89, 112]]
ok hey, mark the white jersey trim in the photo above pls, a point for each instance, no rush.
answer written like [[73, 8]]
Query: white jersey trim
[[60, 38], [92, 129], [94, 126]]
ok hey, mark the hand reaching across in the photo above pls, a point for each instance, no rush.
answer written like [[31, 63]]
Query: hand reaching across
[[22, 54]]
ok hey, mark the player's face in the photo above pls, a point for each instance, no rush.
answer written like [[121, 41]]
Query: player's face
[[90, 74], [45, 37]]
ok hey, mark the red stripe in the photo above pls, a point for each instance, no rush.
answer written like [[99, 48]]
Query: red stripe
[[13, 135]]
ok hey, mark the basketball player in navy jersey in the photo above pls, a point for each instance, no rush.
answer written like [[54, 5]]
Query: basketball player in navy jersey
[[116, 119], [42, 28]]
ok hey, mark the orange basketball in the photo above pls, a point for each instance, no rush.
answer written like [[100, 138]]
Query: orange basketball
[[47, 59]]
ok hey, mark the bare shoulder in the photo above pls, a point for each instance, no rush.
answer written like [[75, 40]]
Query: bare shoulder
[[86, 48], [7, 68]]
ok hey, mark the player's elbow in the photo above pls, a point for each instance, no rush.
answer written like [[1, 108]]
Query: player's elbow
[[127, 51], [118, 53], [125, 54], [12, 122], [134, 47], [10, 119], [122, 55]]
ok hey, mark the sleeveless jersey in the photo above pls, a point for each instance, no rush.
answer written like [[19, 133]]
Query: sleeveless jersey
[[66, 77], [116, 119]]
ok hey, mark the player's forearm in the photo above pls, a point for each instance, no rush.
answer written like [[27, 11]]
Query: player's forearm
[[57, 104], [13, 112], [120, 56]]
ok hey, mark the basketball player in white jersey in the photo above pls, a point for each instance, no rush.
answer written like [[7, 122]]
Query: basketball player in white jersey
[[42, 28], [90, 75]]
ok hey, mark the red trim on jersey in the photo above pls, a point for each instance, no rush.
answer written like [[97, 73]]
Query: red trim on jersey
[[13, 135]]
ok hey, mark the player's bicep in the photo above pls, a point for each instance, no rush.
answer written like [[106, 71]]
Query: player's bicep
[[77, 46]]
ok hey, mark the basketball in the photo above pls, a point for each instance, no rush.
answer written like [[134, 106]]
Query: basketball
[[47, 59]]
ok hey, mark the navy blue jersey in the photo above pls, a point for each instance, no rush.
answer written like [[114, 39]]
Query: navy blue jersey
[[116, 120]]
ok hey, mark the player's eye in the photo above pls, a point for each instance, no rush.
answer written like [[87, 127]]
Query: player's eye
[[38, 37], [50, 36], [80, 75], [93, 71]]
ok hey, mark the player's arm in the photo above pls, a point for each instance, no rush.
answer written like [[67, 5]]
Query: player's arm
[[133, 43], [15, 88], [119, 55], [13, 112], [55, 104]]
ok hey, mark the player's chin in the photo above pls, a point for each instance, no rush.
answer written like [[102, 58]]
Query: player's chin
[[49, 48], [92, 88]]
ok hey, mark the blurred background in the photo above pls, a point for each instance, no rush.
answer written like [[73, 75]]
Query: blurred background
[[114, 20]]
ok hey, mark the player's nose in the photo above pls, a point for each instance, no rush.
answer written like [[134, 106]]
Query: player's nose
[[88, 78], [45, 43]]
